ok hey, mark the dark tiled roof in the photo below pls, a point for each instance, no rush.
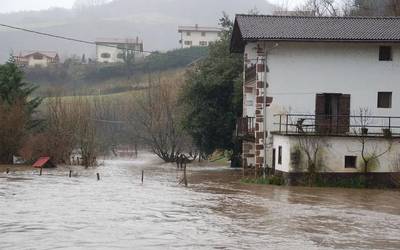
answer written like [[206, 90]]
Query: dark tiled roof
[[301, 28]]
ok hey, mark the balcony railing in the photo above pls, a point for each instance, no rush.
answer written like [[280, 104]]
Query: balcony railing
[[246, 127], [250, 74], [295, 124]]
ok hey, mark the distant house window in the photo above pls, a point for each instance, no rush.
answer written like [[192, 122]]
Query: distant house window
[[203, 43], [188, 33], [385, 53], [38, 57], [203, 33], [385, 100], [350, 161], [280, 155], [105, 55], [188, 43]]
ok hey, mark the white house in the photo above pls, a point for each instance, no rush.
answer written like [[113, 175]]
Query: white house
[[197, 35], [330, 80], [114, 50], [36, 58]]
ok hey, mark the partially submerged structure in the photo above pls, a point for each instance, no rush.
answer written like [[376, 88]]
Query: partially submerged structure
[[44, 162], [320, 91]]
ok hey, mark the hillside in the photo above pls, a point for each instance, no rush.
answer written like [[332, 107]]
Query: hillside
[[155, 21], [88, 79]]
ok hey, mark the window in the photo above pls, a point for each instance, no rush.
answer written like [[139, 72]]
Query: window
[[385, 100], [280, 155], [385, 53], [105, 55], [38, 57], [188, 43], [203, 33], [273, 158], [203, 43], [350, 161], [188, 33]]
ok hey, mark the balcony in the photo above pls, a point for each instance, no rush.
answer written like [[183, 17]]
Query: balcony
[[250, 74], [246, 128], [371, 126]]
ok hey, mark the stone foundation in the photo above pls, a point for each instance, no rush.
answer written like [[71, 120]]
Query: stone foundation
[[371, 180]]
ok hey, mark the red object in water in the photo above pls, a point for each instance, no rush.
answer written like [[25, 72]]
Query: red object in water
[[42, 162]]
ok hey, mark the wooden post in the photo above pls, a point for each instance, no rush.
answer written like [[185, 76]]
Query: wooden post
[[70, 173], [7, 171], [40, 173], [142, 176], [98, 176], [185, 177]]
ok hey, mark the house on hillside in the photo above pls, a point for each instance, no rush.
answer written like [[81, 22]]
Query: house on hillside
[[116, 50], [37, 58], [325, 83], [197, 36]]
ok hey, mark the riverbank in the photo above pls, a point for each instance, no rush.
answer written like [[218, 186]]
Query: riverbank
[[3, 168]]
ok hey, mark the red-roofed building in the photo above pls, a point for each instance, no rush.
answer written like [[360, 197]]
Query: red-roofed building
[[44, 162]]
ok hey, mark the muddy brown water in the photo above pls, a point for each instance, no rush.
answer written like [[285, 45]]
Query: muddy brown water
[[216, 211]]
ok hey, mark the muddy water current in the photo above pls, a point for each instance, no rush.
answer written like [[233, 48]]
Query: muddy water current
[[216, 211]]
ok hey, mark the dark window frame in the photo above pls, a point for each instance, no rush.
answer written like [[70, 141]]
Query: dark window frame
[[385, 53], [350, 161], [280, 155], [105, 55], [38, 57], [385, 100]]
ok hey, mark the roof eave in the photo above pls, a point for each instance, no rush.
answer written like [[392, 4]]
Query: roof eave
[[246, 40], [237, 42]]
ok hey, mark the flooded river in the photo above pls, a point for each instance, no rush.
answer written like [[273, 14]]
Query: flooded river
[[53, 211]]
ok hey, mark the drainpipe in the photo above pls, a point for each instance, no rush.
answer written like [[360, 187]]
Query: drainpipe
[[265, 94]]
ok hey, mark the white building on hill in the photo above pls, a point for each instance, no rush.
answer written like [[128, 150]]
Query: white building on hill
[[114, 50], [197, 35], [36, 58]]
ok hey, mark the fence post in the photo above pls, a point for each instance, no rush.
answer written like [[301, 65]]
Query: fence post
[[390, 121], [70, 173], [142, 176], [98, 176], [280, 123]]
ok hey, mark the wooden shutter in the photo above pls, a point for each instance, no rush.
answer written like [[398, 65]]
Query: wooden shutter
[[344, 112], [319, 112]]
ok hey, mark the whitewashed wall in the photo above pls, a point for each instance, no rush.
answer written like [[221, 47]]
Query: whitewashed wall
[[298, 71], [196, 37], [44, 62], [334, 150], [112, 51]]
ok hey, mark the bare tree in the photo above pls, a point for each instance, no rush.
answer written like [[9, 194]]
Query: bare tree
[[155, 117], [311, 145], [320, 7], [369, 150]]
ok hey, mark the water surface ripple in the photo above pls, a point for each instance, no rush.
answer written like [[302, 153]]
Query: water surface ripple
[[215, 212]]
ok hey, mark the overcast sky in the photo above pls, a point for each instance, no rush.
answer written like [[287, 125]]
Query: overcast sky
[[18, 5]]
